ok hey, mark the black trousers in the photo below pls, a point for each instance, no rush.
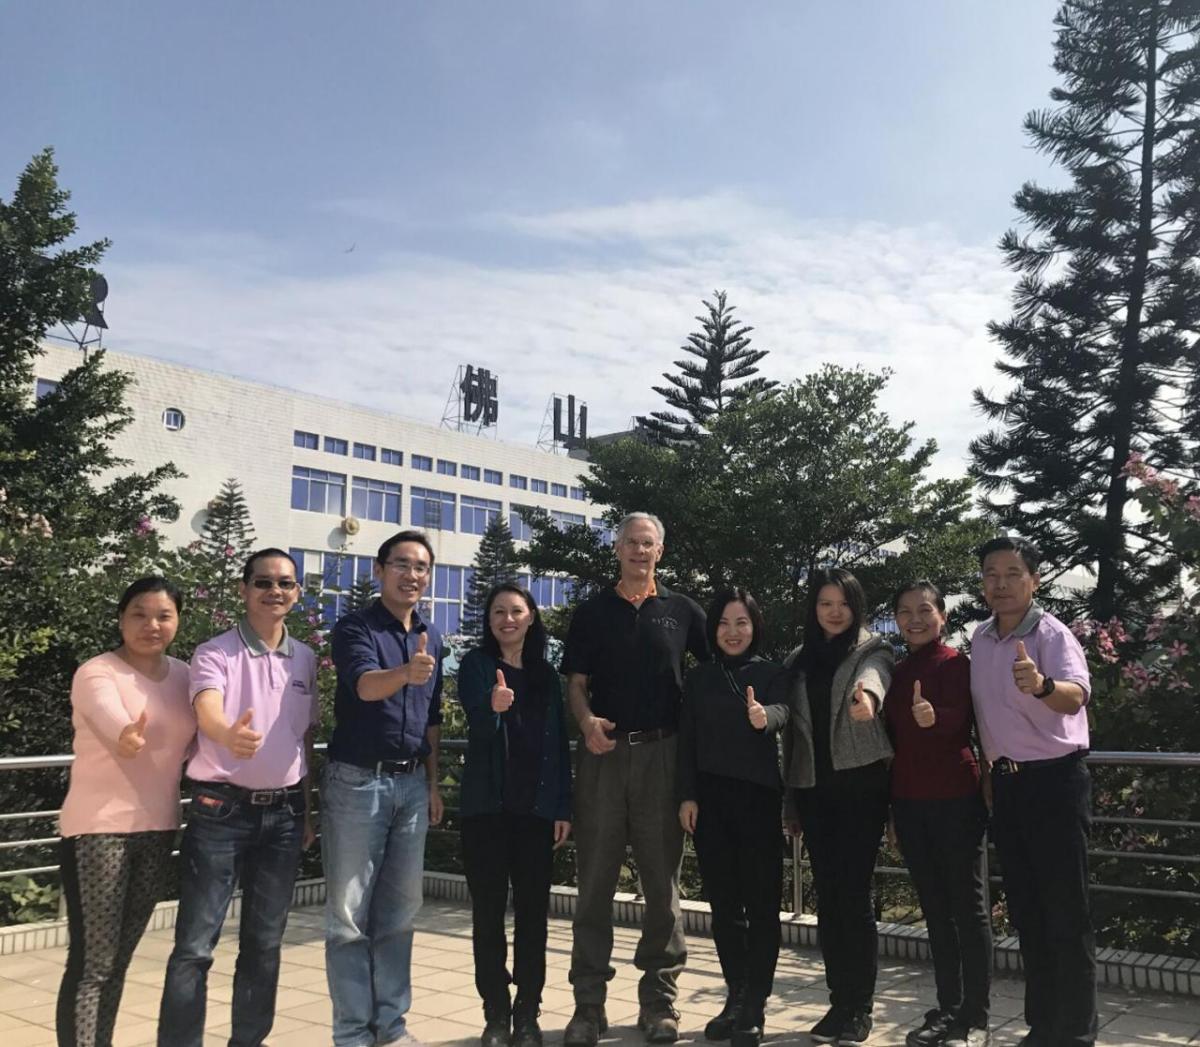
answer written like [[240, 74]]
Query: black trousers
[[1041, 817], [499, 849], [843, 828], [942, 842], [739, 847]]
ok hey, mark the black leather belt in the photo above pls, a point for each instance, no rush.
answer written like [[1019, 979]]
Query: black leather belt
[[255, 797], [391, 766], [641, 737], [1005, 766]]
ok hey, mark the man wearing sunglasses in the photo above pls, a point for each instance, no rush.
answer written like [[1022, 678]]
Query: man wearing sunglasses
[[254, 690]]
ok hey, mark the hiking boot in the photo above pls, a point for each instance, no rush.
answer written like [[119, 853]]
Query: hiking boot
[[932, 1029], [659, 1021], [721, 1027], [587, 1025], [497, 1027], [525, 1029]]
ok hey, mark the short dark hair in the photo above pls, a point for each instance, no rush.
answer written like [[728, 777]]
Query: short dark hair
[[1006, 543], [154, 583], [533, 651], [851, 588], [263, 554], [923, 585], [419, 537], [734, 594]]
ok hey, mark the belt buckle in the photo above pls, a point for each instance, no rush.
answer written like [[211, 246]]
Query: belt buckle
[[1008, 766], [263, 797], [635, 737]]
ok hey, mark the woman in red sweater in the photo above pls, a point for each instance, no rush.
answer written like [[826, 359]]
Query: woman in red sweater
[[940, 817]]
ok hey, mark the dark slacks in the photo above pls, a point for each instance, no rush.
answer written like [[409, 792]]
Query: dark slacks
[[843, 827], [942, 842], [1041, 817], [498, 850], [627, 796], [740, 850]]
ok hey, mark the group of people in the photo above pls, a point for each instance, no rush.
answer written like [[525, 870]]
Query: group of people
[[930, 746]]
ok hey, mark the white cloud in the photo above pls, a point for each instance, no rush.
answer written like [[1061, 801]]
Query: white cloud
[[602, 325]]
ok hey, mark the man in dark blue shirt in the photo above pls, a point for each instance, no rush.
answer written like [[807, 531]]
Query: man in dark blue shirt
[[379, 796]]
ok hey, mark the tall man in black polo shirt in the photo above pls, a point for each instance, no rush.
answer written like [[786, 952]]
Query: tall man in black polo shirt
[[624, 667]]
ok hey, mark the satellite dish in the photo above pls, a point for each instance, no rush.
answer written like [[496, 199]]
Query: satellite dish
[[93, 316]]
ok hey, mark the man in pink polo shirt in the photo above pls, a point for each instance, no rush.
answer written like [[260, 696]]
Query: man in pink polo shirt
[[254, 690], [1030, 683]]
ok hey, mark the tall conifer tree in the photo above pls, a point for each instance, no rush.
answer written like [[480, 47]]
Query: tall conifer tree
[[720, 376], [1101, 347], [496, 561]]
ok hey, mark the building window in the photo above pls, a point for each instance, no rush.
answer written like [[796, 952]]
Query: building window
[[432, 509], [493, 476], [446, 468], [375, 500], [335, 446], [519, 482], [331, 576], [542, 591], [477, 513], [365, 451], [422, 464], [309, 441], [603, 531], [539, 486], [559, 490], [564, 520], [470, 472], [173, 419], [449, 588], [389, 457], [577, 494], [521, 530], [317, 491], [44, 387]]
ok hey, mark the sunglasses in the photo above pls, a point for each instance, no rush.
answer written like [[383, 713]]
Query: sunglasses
[[284, 584]]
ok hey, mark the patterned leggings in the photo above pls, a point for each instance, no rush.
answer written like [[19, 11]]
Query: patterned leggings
[[111, 883]]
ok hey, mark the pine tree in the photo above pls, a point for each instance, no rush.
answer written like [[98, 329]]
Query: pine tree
[[496, 561], [1101, 345], [227, 537], [362, 592], [704, 389]]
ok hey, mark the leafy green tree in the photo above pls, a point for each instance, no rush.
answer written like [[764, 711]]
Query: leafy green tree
[[496, 561], [1101, 348], [717, 376]]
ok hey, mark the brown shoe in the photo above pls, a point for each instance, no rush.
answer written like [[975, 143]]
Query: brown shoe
[[660, 1022], [587, 1025]]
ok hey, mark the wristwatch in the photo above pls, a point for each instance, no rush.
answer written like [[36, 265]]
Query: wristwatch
[[1048, 686]]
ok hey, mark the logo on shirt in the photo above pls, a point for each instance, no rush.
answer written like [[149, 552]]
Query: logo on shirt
[[667, 622], [300, 685]]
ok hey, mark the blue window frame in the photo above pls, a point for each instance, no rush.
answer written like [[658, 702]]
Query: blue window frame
[[560, 490], [375, 499], [317, 491], [477, 513], [519, 482], [44, 387], [521, 531], [542, 590], [493, 476], [335, 445], [446, 468], [365, 451], [577, 494], [603, 531], [389, 457], [470, 472], [422, 463], [564, 520], [539, 486], [309, 441], [432, 509]]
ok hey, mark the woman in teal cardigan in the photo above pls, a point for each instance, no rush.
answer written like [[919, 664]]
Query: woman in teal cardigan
[[515, 807]]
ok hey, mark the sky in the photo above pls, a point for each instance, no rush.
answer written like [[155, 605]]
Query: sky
[[352, 199]]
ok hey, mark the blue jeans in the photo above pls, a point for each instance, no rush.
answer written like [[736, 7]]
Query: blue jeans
[[373, 847], [226, 841]]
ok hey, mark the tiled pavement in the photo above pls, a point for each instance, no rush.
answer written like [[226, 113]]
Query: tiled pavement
[[446, 1010]]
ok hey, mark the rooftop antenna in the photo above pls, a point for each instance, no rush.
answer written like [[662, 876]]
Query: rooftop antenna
[[564, 425], [473, 404], [86, 332]]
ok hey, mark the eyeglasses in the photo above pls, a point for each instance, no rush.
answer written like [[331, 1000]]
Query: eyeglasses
[[417, 570], [284, 584]]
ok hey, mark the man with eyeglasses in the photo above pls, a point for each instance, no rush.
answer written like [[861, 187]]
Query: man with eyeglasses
[[624, 666], [254, 690], [379, 795]]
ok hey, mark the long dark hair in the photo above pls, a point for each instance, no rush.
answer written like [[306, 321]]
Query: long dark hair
[[533, 651], [815, 644], [734, 594]]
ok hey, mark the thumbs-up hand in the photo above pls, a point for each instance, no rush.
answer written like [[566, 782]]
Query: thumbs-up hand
[[421, 664], [241, 739], [757, 714], [502, 695], [1025, 672], [862, 705], [133, 738], [923, 712]]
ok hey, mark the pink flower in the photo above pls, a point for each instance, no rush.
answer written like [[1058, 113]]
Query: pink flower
[[228, 552], [1192, 507], [144, 527], [1155, 629], [327, 663], [200, 593], [1177, 650]]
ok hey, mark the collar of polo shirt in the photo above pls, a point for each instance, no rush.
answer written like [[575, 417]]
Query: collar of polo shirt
[[1024, 627], [255, 645]]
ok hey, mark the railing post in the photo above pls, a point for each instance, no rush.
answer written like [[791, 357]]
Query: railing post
[[797, 877]]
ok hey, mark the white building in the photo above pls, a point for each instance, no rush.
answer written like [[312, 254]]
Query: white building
[[330, 481]]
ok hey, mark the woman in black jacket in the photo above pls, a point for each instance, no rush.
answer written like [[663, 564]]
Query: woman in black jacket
[[730, 793], [515, 807]]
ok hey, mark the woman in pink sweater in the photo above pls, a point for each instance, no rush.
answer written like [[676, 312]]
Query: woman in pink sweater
[[133, 726]]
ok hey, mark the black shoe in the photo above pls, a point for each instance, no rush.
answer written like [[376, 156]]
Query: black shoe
[[748, 1025], [497, 1029], [932, 1030], [525, 1029], [856, 1029], [659, 1021], [962, 1034], [587, 1025], [829, 1027], [721, 1027]]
